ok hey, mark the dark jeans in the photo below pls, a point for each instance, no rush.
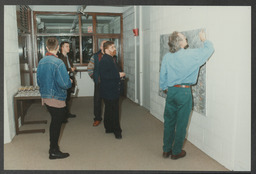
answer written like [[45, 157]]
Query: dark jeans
[[57, 116], [111, 116], [97, 102]]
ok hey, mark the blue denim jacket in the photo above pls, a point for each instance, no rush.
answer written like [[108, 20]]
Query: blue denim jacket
[[52, 78]]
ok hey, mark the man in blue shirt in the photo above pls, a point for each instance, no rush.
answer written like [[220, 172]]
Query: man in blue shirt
[[179, 70]]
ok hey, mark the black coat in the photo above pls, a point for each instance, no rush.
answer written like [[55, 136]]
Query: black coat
[[71, 74], [64, 59], [109, 78]]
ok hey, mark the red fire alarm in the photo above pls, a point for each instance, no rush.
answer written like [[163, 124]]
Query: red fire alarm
[[136, 32]]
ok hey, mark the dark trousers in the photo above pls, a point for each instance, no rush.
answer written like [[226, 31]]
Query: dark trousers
[[68, 101], [176, 115], [111, 116], [97, 102], [57, 117]]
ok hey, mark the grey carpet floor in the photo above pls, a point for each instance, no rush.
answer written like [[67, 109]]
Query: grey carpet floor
[[91, 148]]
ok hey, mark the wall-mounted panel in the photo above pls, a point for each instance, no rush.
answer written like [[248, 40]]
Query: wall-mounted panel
[[199, 89]]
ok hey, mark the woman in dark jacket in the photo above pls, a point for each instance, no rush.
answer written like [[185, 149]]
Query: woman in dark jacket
[[110, 79]]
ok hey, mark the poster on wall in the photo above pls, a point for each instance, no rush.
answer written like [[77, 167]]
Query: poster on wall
[[89, 29], [199, 89]]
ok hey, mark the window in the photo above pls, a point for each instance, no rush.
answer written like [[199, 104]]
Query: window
[[74, 53], [87, 48], [108, 24], [87, 24], [83, 31], [57, 23]]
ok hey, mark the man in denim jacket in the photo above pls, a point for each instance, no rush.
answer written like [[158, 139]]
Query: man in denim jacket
[[53, 80]]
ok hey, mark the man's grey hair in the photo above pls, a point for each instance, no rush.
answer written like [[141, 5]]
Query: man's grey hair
[[174, 42]]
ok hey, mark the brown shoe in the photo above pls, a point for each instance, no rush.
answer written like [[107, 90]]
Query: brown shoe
[[167, 154], [96, 123], [180, 155]]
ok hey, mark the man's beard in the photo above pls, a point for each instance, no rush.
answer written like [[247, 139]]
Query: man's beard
[[113, 53]]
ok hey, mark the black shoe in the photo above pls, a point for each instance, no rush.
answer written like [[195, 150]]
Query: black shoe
[[65, 121], [109, 131], [71, 115], [57, 154], [118, 135]]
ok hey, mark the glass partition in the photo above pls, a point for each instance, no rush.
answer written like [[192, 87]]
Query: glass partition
[[57, 23], [87, 24], [95, 27], [87, 45], [74, 53], [108, 24]]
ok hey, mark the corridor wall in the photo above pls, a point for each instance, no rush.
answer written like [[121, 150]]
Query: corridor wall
[[225, 132], [11, 69]]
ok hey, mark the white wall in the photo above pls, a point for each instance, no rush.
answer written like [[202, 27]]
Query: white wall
[[137, 54], [145, 54], [129, 51], [85, 84], [224, 134], [11, 70]]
